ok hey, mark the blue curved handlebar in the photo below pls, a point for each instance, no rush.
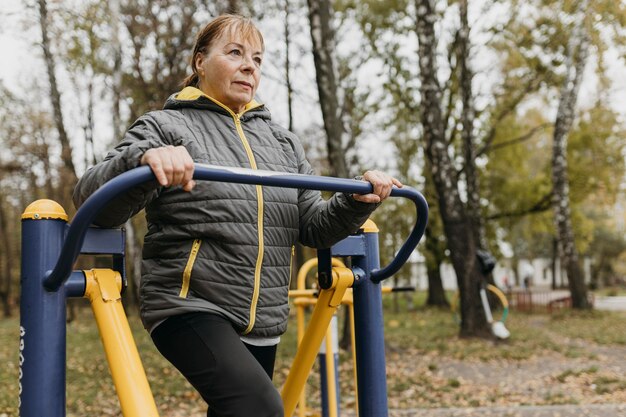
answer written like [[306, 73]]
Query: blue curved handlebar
[[124, 182]]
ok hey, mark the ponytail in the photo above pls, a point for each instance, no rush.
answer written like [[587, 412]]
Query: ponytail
[[191, 80]]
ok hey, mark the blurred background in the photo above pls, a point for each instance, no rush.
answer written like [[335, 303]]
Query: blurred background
[[508, 115]]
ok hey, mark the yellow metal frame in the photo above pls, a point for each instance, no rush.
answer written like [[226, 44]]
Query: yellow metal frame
[[499, 294], [303, 298], [306, 297], [103, 291], [129, 377], [325, 307], [456, 298]]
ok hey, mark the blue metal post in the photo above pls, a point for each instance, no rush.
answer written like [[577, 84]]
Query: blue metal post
[[370, 342], [42, 313]]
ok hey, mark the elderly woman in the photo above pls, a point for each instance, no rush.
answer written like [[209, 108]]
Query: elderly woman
[[217, 256]]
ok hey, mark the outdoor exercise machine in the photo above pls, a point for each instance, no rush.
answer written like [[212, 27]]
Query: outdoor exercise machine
[[329, 350], [487, 263], [50, 248]]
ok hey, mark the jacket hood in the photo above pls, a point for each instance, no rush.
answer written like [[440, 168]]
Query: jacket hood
[[191, 97]]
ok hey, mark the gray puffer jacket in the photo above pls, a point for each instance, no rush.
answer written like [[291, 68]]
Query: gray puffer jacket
[[223, 248]]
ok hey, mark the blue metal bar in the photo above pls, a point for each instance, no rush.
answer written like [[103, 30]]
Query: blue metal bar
[[42, 322], [351, 246], [370, 340], [75, 285], [124, 182], [104, 241]]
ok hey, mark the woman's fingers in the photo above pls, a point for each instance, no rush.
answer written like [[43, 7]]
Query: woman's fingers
[[154, 161], [171, 166], [382, 184]]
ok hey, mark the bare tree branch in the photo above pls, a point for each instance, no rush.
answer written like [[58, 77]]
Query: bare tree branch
[[542, 205], [526, 136]]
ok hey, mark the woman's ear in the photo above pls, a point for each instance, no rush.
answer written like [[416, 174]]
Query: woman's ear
[[198, 59]]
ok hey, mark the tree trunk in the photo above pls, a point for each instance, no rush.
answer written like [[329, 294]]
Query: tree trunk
[[68, 171], [434, 252], [577, 51], [323, 37], [436, 293], [7, 263], [457, 226], [232, 7], [116, 84], [288, 68], [467, 134], [43, 152], [135, 230], [555, 254], [90, 154]]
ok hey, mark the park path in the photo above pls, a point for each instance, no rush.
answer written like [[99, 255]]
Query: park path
[[592, 410], [610, 303]]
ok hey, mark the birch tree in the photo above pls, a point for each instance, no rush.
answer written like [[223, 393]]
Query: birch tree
[[457, 224], [387, 30], [467, 132], [576, 58]]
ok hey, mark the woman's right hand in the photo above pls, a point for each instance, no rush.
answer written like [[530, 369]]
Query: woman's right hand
[[172, 165]]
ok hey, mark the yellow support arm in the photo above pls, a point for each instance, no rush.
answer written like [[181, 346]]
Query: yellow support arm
[[325, 307], [129, 377]]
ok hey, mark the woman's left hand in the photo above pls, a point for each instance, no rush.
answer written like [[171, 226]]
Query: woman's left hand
[[382, 183]]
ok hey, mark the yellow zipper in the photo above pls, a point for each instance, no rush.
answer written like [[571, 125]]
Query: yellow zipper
[[259, 196], [195, 248], [293, 253], [259, 258]]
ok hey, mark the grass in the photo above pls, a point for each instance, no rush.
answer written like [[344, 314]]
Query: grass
[[432, 333], [562, 377], [597, 326], [611, 291]]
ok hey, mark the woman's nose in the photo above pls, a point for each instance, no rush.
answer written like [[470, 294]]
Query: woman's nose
[[247, 64]]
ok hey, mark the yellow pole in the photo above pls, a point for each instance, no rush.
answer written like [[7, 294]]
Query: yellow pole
[[350, 303], [129, 377], [300, 303], [303, 293], [325, 307], [304, 270], [330, 374], [301, 324]]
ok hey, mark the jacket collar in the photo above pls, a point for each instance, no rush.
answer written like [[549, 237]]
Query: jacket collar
[[196, 98]]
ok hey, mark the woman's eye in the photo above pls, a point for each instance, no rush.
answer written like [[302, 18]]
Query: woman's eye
[[235, 52], [258, 61]]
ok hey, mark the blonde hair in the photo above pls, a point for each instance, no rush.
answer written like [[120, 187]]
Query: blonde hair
[[213, 30]]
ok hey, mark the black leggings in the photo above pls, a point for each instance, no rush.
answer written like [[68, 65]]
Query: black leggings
[[234, 378]]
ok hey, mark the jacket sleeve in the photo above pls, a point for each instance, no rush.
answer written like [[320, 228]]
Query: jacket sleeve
[[325, 222], [144, 134]]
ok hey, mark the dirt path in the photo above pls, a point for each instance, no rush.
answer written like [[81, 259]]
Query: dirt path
[[594, 410], [546, 385]]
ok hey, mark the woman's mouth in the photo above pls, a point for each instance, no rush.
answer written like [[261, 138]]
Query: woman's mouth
[[244, 84]]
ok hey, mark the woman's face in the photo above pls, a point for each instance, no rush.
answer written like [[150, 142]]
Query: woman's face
[[231, 70]]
